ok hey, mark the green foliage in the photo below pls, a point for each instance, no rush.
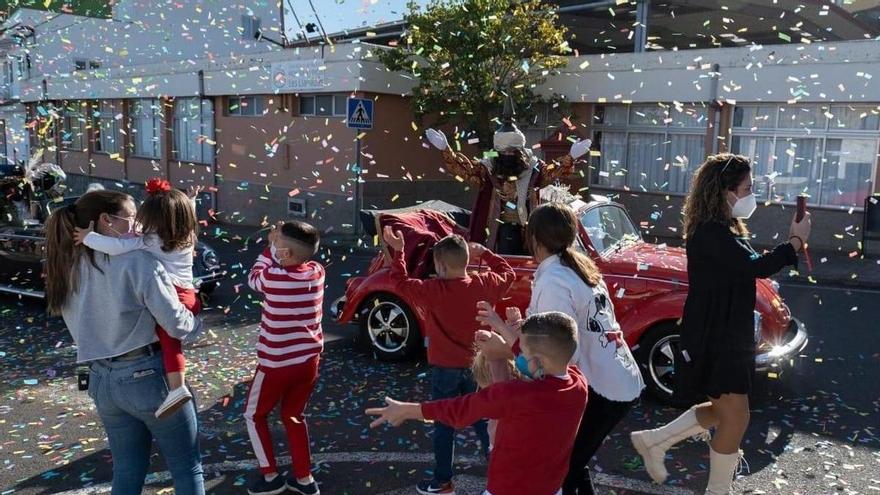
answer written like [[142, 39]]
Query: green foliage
[[468, 54], [91, 8]]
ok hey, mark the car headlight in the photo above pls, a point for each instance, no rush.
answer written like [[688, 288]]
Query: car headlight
[[757, 327], [209, 258]]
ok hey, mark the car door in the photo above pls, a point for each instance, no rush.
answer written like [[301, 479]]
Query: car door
[[22, 251]]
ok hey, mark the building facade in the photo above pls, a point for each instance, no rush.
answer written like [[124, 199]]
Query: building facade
[[263, 127]]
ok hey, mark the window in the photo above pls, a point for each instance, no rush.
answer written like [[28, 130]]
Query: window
[[3, 158], [8, 72], [324, 105], [86, 64], [24, 67], [146, 127], [607, 226], [825, 151], [649, 147], [105, 122], [244, 105], [194, 130], [73, 129], [296, 207]]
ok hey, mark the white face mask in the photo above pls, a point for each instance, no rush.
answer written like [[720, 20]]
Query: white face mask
[[744, 207], [274, 252]]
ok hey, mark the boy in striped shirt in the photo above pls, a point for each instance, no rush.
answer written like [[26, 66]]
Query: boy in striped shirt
[[288, 352]]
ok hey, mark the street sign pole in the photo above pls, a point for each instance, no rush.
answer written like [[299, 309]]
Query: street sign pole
[[357, 183]]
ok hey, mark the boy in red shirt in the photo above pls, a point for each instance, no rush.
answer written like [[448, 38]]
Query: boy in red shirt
[[288, 352], [538, 417], [450, 327]]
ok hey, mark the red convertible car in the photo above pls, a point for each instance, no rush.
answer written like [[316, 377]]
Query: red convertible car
[[648, 284]]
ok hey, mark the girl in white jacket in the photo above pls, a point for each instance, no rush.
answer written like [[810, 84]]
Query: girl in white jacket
[[568, 281]]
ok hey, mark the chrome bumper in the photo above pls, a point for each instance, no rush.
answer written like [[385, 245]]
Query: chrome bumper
[[213, 276], [785, 351], [336, 307]]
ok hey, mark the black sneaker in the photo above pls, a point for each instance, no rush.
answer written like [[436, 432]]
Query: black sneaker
[[433, 487], [262, 487], [307, 489]]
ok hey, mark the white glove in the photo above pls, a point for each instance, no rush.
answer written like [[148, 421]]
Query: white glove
[[437, 138], [580, 148]]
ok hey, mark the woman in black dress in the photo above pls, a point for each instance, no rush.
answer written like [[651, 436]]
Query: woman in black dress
[[717, 354]]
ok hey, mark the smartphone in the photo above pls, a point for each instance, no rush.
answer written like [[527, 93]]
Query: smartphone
[[801, 208]]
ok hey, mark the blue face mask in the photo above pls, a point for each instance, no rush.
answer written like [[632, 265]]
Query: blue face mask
[[522, 365]]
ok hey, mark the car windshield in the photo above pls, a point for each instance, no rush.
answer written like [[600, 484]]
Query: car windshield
[[609, 226]]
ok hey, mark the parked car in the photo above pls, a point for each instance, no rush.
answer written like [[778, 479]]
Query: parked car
[[22, 253], [648, 284]]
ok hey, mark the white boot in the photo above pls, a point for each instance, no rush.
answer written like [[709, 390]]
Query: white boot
[[653, 444], [721, 470]]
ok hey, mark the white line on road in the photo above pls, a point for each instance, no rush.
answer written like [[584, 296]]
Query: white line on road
[[467, 482]]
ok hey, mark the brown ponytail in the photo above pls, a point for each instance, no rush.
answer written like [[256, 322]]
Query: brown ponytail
[[62, 253], [554, 227]]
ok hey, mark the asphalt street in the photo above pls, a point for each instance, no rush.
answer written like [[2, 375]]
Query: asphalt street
[[815, 428]]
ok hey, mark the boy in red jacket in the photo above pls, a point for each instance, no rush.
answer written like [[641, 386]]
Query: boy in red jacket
[[538, 418], [450, 327]]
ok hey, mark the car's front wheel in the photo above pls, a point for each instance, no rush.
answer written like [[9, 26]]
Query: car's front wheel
[[390, 328], [656, 355]]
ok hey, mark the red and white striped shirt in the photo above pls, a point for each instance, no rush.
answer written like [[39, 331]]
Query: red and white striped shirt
[[290, 330]]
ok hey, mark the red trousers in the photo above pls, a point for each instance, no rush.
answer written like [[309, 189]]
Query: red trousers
[[172, 349], [291, 386]]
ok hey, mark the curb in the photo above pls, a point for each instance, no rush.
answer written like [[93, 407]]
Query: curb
[[833, 284]]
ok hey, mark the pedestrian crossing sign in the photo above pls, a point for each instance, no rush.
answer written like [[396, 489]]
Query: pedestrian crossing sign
[[360, 113]]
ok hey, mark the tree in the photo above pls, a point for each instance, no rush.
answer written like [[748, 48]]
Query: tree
[[469, 54]]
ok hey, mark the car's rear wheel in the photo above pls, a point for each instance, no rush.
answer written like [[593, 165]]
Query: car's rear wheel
[[390, 328], [656, 355]]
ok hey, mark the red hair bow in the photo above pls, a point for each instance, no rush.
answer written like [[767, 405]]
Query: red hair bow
[[157, 185]]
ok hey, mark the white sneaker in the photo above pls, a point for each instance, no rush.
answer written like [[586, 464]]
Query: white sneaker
[[176, 399]]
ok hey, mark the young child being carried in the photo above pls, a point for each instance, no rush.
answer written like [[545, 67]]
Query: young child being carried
[[167, 220], [537, 417], [288, 353], [450, 301]]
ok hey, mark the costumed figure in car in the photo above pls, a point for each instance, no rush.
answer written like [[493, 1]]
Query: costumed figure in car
[[507, 180], [24, 188]]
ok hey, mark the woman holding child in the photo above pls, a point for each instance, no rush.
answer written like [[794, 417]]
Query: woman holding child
[[569, 282], [111, 305]]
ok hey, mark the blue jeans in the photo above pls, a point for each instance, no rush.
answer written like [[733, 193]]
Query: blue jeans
[[127, 394], [447, 383]]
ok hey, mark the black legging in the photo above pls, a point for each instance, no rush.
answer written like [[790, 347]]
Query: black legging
[[600, 417]]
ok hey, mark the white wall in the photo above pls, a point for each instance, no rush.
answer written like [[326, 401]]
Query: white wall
[[819, 72]]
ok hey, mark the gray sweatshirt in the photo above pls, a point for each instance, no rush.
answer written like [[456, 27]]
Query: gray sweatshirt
[[116, 311]]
